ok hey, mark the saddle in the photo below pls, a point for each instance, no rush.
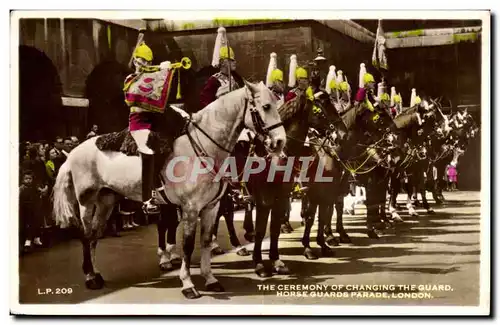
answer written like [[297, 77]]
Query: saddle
[[123, 142]]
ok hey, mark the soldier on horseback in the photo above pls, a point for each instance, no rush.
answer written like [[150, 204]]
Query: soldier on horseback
[[141, 122], [274, 80], [226, 80], [365, 95], [298, 79], [396, 104]]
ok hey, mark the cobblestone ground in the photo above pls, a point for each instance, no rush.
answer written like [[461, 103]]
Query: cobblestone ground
[[439, 249]]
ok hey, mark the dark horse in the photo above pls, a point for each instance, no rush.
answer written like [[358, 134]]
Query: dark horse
[[340, 160], [415, 164], [297, 116]]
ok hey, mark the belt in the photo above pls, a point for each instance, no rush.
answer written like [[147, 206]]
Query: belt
[[135, 109]]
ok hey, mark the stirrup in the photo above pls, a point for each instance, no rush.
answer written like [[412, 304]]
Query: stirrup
[[150, 207]]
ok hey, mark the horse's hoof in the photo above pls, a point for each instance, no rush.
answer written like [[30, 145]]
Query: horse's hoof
[[344, 238], [214, 287], [261, 271], [285, 229], [380, 226], [95, 283], [282, 270], [289, 226], [309, 254], [99, 279], [176, 261], [396, 217], [430, 211], [332, 241], [243, 252], [217, 251], [327, 251], [349, 212], [167, 266], [250, 237], [191, 293], [373, 234]]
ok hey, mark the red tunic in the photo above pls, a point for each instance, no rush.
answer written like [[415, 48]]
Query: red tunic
[[360, 95], [208, 93], [291, 95]]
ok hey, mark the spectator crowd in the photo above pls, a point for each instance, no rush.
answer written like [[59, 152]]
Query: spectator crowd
[[40, 162]]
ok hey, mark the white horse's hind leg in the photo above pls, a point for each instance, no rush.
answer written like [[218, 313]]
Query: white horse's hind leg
[[207, 217], [94, 227], [190, 219]]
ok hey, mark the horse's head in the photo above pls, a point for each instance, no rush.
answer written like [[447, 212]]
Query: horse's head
[[325, 117], [262, 117]]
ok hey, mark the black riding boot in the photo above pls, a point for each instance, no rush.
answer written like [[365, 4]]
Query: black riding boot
[[149, 207]]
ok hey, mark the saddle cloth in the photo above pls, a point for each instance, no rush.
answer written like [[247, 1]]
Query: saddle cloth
[[149, 90], [123, 142]]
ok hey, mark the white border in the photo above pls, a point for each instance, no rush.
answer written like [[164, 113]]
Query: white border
[[219, 309]]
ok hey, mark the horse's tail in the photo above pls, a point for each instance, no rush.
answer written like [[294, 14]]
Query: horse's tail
[[64, 197]]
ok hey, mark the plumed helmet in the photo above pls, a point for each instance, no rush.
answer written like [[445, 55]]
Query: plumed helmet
[[300, 73], [144, 52], [276, 75]]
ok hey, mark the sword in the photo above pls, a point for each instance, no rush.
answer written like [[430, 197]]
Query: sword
[[140, 39]]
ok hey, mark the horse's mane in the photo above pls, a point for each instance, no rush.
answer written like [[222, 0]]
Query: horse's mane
[[406, 118], [290, 108], [349, 116]]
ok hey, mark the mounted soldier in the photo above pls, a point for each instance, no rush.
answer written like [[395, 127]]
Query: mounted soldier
[[226, 80], [220, 84], [343, 93], [141, 122], [318, 65], [396, 103], [274, 79], [297, 80], [383, 97], [365, 95]]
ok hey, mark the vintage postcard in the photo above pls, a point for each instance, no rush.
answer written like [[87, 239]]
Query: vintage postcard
[[250, 163]]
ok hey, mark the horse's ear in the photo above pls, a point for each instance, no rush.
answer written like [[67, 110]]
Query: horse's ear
[[253, 88]]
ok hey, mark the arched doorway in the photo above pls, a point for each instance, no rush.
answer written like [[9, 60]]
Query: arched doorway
[[40, 91], [104, 89]]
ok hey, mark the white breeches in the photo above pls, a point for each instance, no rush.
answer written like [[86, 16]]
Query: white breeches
[[141, 138]]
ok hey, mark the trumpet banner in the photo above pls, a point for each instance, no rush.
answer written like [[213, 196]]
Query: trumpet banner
[[149, 90]]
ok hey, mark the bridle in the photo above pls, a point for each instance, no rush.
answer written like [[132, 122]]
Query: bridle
[[258, 122]]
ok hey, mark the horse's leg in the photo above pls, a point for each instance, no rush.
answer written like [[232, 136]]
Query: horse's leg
[[304, 207], [409, 203], [94, 228], [229, 217], [262, 211], [423, 193], [161, 227], [339, 227], [285, 221], [372, 217], [93, 280], [215, 248], [328, 231], [325, 211], [278, 211], [309, 215], [393, 200], [172, 224], [248, 222], [207, 218], [190, 217]]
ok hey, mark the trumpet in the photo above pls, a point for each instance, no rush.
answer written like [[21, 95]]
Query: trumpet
[[185, 64]]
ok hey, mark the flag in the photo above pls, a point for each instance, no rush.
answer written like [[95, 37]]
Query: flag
[[379, 59]]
